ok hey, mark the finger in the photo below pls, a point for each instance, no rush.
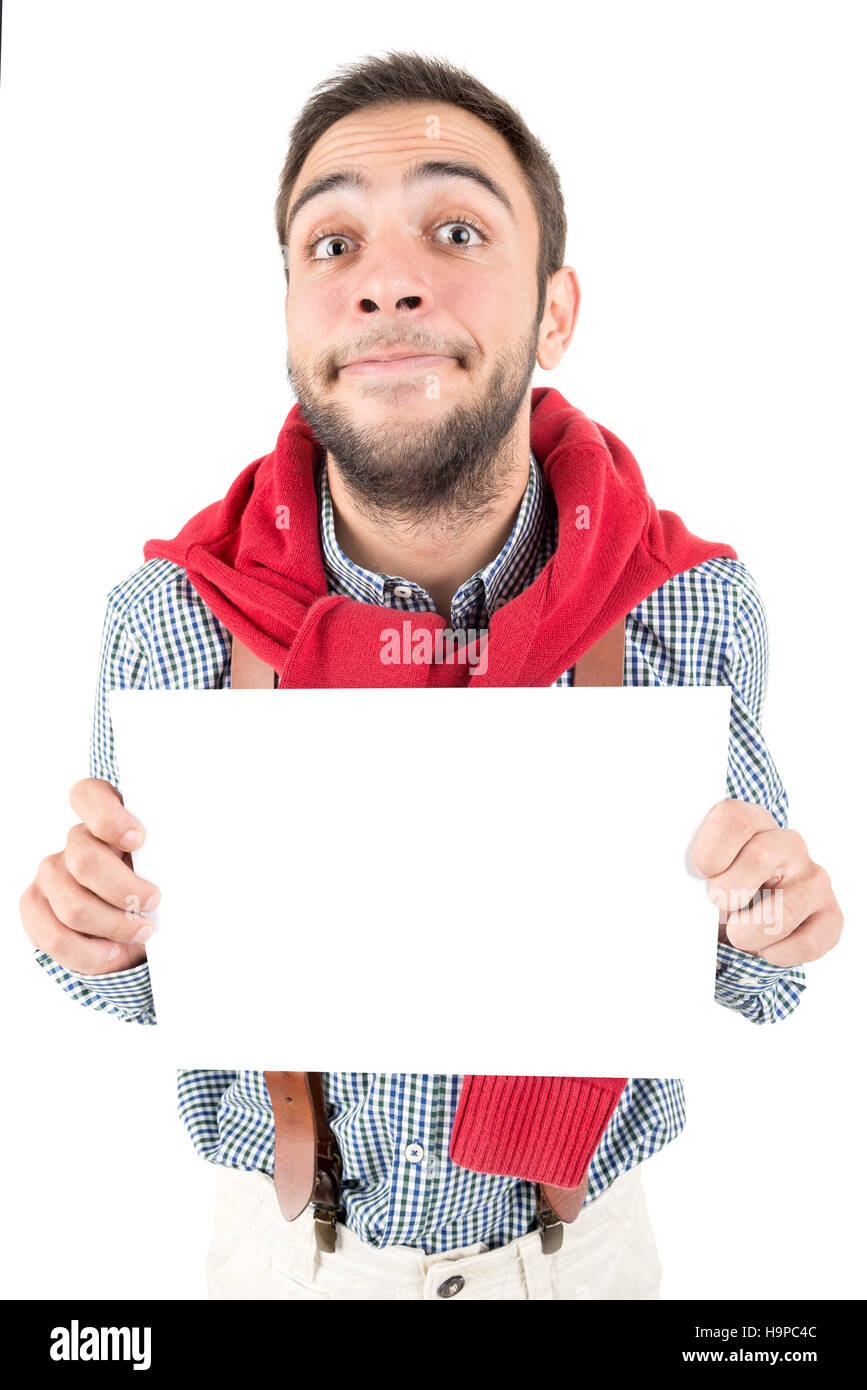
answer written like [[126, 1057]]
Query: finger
[[98, 867], [769, 858], [98, 804], [83, 912], [84, 954], [723, 833], [813, 939], [775, 914]]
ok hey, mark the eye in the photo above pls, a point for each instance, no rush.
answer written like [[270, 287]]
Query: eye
[[328, 245], [461, 233]]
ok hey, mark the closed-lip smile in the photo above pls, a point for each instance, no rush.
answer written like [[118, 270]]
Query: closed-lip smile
[[397, 362]]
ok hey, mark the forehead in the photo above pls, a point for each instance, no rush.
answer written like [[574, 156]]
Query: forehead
[[382, 140]]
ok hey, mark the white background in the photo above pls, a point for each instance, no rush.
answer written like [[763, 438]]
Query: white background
[[711, 164]]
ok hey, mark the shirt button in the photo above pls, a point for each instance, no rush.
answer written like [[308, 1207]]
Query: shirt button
[[414, 1152], [402, 591], [500, 603], [451, 1286]]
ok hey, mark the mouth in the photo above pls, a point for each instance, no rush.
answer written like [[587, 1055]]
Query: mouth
[[402, 364]]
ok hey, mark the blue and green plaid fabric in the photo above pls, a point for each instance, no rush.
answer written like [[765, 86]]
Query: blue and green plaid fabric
[[706, 626]]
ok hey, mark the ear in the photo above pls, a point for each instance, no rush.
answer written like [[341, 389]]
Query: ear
[[561, 315]]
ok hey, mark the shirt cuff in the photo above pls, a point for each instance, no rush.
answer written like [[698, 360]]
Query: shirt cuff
[[742, 973], [128, 990]]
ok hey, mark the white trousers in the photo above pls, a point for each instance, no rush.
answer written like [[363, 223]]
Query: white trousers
[[608, 1252]]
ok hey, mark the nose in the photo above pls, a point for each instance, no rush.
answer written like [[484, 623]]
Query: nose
[[406, 301], [393, 279]]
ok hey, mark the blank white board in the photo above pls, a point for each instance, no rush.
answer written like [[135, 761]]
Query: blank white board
[[459, 881]]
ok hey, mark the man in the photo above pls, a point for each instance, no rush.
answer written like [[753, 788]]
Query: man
[[423, 235]]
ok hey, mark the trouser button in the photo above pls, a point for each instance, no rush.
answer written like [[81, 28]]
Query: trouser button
[[451, 1286]]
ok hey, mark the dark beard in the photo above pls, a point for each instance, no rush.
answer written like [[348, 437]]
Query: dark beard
[[448, 470]]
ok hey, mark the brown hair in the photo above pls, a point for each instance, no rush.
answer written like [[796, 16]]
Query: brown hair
[[410, 77]]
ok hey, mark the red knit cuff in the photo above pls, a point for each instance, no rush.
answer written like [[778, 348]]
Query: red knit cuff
[[541, 1128]]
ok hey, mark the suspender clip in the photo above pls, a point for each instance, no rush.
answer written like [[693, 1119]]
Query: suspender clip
[[550, 1226], [324, 1224]]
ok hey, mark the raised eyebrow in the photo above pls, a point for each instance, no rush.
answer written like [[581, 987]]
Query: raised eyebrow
[[425, 169], [456, 169], [340, 178]]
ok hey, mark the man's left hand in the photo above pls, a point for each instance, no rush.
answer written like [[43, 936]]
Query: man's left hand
[[741, 850]]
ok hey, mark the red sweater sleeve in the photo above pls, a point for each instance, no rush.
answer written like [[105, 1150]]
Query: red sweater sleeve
[[541, 1128]]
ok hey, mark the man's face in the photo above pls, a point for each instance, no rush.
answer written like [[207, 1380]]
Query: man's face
[[436, 273]]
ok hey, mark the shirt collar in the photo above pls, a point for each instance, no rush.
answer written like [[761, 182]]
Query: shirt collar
[[478, 597]]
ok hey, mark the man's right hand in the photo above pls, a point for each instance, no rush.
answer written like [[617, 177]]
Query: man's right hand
[[84, 907]]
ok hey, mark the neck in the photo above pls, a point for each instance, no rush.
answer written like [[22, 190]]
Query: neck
[[439, 555]]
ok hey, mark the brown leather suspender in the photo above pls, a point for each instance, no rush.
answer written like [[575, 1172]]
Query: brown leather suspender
[[307, 1163]]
